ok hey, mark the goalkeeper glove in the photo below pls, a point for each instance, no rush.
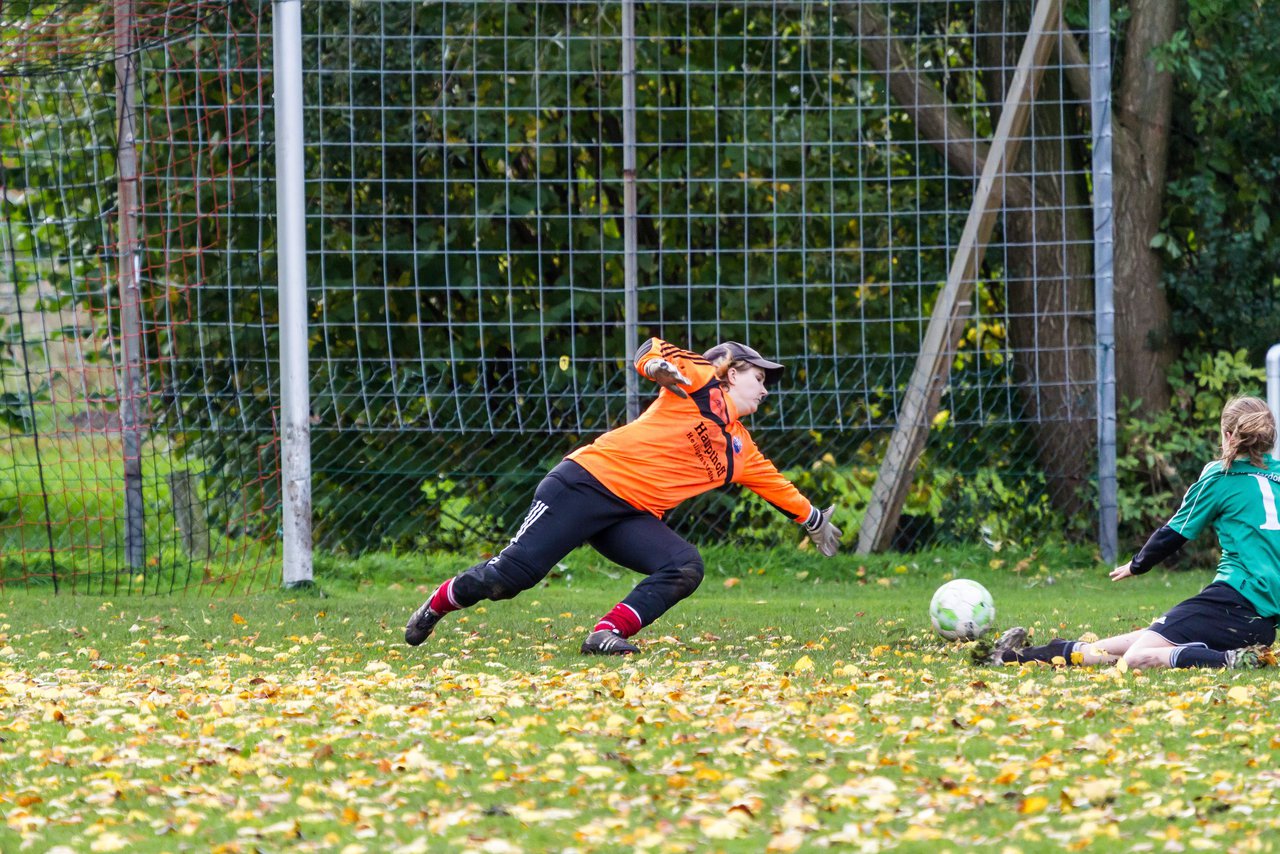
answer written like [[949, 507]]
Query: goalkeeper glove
[[666, 375], [824, 535]]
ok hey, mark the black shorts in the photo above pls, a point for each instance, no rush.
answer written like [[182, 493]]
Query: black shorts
[[1218, 617]]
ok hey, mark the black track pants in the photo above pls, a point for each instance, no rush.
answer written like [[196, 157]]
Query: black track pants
[[570, 508]]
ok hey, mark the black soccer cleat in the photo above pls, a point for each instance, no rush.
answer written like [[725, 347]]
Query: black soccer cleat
[[421, 624], [1012, 640], [605, 642]]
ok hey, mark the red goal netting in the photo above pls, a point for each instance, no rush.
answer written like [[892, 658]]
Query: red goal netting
[[135, 207]]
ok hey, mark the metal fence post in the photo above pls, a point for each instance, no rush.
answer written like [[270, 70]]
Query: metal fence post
[[631, 321], [1103, 266], [295, 402]]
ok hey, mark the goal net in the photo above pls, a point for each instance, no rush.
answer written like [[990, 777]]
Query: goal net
[[136, 304]]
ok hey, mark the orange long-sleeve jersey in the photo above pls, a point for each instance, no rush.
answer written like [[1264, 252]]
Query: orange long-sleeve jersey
[[682, 447]]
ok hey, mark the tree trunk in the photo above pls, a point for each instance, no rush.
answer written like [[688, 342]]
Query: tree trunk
[[1050, 287], [1143, 104], [1048, 271], [1142, 109]]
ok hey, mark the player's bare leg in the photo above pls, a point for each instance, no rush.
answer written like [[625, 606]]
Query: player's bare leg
[[1011, 648], [1148, 651], [1108, 650]]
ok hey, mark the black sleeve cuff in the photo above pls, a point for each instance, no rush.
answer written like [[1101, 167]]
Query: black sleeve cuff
[[1163, 543]]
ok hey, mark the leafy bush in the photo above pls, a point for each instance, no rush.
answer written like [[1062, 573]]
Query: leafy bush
[[945, 506]]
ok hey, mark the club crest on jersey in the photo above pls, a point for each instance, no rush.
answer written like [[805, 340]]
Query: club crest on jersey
[[715, 400], [737, 445]]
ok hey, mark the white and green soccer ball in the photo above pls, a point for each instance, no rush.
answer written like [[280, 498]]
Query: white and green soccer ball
[[961, 610]]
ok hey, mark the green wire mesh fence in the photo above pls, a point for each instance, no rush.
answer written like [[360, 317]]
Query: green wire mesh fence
[[803, 174], [468, 230]]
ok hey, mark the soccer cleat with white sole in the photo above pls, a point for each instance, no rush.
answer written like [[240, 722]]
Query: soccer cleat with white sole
[[1012, 640], [421, 624], [1249, 657], [605, 642]]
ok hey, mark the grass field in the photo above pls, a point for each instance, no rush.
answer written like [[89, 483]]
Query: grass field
[[774, 710], [62, 518]]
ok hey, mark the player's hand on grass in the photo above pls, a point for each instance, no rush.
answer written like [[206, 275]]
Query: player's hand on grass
[[1120, 572], [824, 535], [666, 375]]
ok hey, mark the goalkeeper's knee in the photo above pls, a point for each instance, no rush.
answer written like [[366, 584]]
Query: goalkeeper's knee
[[487, 581], [688, 577]]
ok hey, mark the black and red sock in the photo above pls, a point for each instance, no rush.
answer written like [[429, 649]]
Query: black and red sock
[[623, 620], [442, 601], [1056, 648]]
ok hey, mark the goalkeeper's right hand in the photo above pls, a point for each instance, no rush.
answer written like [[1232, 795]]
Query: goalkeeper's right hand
[[666, 375], [824, 535]]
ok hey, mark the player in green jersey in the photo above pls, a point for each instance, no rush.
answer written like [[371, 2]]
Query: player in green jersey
[[1232, 622]]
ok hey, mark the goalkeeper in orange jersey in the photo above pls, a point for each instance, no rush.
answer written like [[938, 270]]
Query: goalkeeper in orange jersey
[[613, 493]]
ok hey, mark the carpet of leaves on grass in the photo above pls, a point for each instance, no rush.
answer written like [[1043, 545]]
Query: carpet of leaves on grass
[[347, 742]]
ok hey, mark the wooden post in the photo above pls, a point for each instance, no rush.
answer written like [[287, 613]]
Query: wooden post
[[188, 511], [946, 325], [129, 279]]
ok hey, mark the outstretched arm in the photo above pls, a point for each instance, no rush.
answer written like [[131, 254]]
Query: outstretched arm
[[763, 478], [1163, 543], [1200, 506]]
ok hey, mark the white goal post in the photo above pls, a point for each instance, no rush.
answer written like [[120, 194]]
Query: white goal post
[[1273, 384], [295, 399]]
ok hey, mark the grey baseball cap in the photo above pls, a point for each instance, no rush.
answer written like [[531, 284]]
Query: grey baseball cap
[[742, 353]]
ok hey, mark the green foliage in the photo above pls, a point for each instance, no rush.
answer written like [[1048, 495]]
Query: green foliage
[[537, 189], [1160, 454], [1221, 230], [996, 505], [458, 522], [1001, 507], [527, 226], [19, 389]]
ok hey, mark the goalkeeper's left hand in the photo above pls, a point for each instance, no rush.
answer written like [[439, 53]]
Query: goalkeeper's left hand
[[825, 535], [666, 375]]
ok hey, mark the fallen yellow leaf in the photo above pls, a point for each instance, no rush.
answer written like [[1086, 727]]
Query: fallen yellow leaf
[[1241, 695], [1033, 805], [789, 840]]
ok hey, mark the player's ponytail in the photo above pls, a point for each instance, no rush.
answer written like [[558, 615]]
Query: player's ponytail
[[726, 362], [1252, 428]]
